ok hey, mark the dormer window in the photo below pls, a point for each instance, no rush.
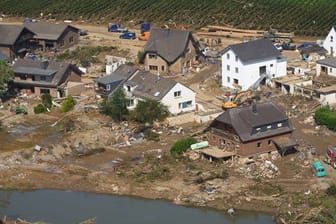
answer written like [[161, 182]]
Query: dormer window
[[269, 126], [279, 125], [258, 129]]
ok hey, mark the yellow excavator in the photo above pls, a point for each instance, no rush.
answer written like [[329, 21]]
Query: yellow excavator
[[239, 98]]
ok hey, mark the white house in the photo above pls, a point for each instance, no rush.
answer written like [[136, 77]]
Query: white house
[[326, 66], [246, 64], [330, 42], [145, 85]]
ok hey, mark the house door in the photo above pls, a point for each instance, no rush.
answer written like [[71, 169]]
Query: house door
[[262, 70]]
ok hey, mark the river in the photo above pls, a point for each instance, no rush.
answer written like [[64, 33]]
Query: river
[[66, 207]]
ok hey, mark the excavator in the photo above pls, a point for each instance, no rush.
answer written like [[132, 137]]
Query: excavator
[[239, 98], [243, 96]]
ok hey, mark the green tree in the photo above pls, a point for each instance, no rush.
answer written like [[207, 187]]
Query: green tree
[[6, 73], [68, 104], [116, 105], [149, 111], [181, 146], [325, 116]]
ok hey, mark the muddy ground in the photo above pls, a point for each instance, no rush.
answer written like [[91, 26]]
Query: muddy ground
[[85, 151]]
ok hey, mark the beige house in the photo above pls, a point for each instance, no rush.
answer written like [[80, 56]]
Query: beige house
[[40, 77], [50, 35], [169, 51]]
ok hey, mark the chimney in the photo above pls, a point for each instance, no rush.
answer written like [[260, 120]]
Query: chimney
[[254, 107], [44, 64]]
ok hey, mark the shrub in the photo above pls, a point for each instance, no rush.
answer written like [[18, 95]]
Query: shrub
[[325, 116], [47, 100], [181, 146], [40, 109], [331, 190], [68, 104]]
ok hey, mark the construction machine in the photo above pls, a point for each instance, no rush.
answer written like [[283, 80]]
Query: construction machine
[[239, 99], [243, 96]]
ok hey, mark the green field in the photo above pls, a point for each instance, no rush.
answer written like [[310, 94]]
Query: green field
[[304, 17]]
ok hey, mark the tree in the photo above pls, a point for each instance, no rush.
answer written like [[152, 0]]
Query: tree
[[6, 73], [68, 104], [181, 146], [149, 111], [116, 105]]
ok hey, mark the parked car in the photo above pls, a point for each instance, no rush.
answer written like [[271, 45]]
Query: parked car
[[128, 35], [287, 46], [278, 46]]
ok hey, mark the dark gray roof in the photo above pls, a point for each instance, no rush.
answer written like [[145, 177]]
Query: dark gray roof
[[331, 62], [314, 49], [150, 86], [123, 72], [35, 67], [168, 43], [254, 50], [244, 120], [48, 31], [9, 33]]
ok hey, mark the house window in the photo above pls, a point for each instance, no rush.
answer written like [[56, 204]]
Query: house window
[[279, 125], [235, 81], [271, 65], [236, 58], [228, 79], [162, 68], [130, 103], [152, 56], [177, 94], [62, 43], [270, 142], [153, 67], [108, 87], [259, 144], [228, 67], [236, 69], [227, 56], [128, 88], [330, 69], [44, 91], [23, 77], [71, 40], [331, 38], [185, 104], [269, 126], [42, 78], [258, 129]]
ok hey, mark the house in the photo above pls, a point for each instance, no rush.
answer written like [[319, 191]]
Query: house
[[312, 52], [40, 77], [251, 130], [14, 41], [49, 35], [330, 42], [143, 85], [326, 66], [107, 84], [247, 64], [169, 51]]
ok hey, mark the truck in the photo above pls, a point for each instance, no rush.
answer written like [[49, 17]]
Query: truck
[[128, 36], [114, 27], [330, 157], [145, 27]]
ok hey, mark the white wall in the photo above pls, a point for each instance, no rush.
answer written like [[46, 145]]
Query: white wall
[[331, 70], [248, 74], [173, 102], [330, 42], [328, 99]]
